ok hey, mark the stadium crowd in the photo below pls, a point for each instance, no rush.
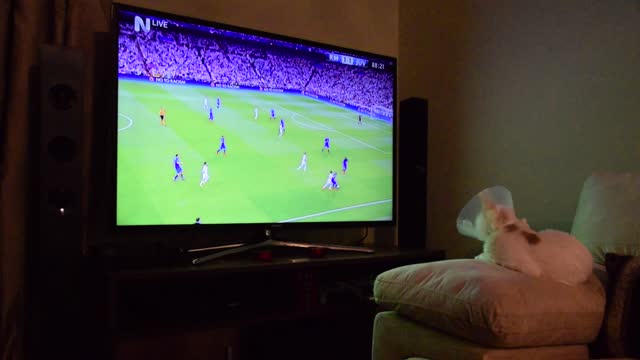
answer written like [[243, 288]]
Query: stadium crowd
[[232, 62]]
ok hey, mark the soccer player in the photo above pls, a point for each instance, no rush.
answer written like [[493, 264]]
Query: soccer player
[[223, 147], [218, 104], [273, 114], [281, 131], [204, 174], [334, 183], [329, 182], [163, 122], [255, 113], [359, 119], [206, 103], [177, 165], [303, 162], [210, 114], [326, 145], [345, 164]]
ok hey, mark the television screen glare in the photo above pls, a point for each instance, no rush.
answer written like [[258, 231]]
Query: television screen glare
[[224, 125]]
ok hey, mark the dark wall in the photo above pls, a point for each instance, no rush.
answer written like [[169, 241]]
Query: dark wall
[[532, 95]]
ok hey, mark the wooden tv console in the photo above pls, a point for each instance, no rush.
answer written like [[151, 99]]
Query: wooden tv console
[[292, 307]]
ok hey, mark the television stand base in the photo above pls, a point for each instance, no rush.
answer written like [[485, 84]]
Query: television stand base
[[240, 248]]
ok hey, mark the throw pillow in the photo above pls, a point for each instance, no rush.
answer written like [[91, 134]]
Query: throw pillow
[[492, 305], [606, 219]]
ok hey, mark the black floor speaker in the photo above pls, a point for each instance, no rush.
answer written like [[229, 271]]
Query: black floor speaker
[[412, 173], [59, 175], [54, 282]]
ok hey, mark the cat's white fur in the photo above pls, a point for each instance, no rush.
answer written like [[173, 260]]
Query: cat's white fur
[[510, 242]]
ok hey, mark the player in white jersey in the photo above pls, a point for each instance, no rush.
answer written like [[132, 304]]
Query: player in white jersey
[[206, 103], [205, 174], [329, 182], [303, 162], [255, 113]]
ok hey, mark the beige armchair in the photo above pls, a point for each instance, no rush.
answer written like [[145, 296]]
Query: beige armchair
[[468, 309]]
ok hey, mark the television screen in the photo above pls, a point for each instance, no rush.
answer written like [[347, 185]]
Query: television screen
[[218, 124]]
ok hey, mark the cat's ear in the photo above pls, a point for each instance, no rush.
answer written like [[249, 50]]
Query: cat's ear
[[487, 203], [504, 215], [489, 212]]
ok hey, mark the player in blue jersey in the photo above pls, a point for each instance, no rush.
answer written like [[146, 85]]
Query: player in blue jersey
[[334, 182], [177, 165], [273, 114], [359, 119], [326, 145], [223, 147], [329, 182], [218, 104], [210, 114], [281, 130], [345, 164]]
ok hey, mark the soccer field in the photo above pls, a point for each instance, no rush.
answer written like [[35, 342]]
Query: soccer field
[[258, 180]]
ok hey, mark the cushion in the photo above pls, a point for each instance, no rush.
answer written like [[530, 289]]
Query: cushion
[[493, 305], [621, 327], [606, 219], [396, 337]]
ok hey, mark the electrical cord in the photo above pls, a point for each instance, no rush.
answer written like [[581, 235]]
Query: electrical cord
[[364, 237]]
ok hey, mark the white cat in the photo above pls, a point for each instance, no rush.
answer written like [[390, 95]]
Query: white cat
[[510, 242]]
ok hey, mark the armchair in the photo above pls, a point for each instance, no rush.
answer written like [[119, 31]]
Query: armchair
[[469, 309]]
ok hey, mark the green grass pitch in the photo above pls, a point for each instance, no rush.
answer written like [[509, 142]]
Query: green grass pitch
[[258, 180]]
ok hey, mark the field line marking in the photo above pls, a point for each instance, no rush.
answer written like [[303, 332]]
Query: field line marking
[[307, 126], [386, 129], [334, 130], [128, 125], [342, 112], [336, 210]]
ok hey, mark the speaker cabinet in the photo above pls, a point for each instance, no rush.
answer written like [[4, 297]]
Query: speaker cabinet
[[55, 284], [104, 126], [59, 177], [412, 177]]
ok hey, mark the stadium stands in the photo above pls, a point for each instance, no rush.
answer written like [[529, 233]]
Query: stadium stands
[[230, 61]]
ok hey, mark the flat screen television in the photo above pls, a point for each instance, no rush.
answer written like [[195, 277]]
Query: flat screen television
[[222, 125]]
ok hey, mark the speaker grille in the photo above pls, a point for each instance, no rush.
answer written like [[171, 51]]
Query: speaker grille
[[62, 97]]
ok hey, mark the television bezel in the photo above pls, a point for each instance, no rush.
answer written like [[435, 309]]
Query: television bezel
[[205, 228]]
